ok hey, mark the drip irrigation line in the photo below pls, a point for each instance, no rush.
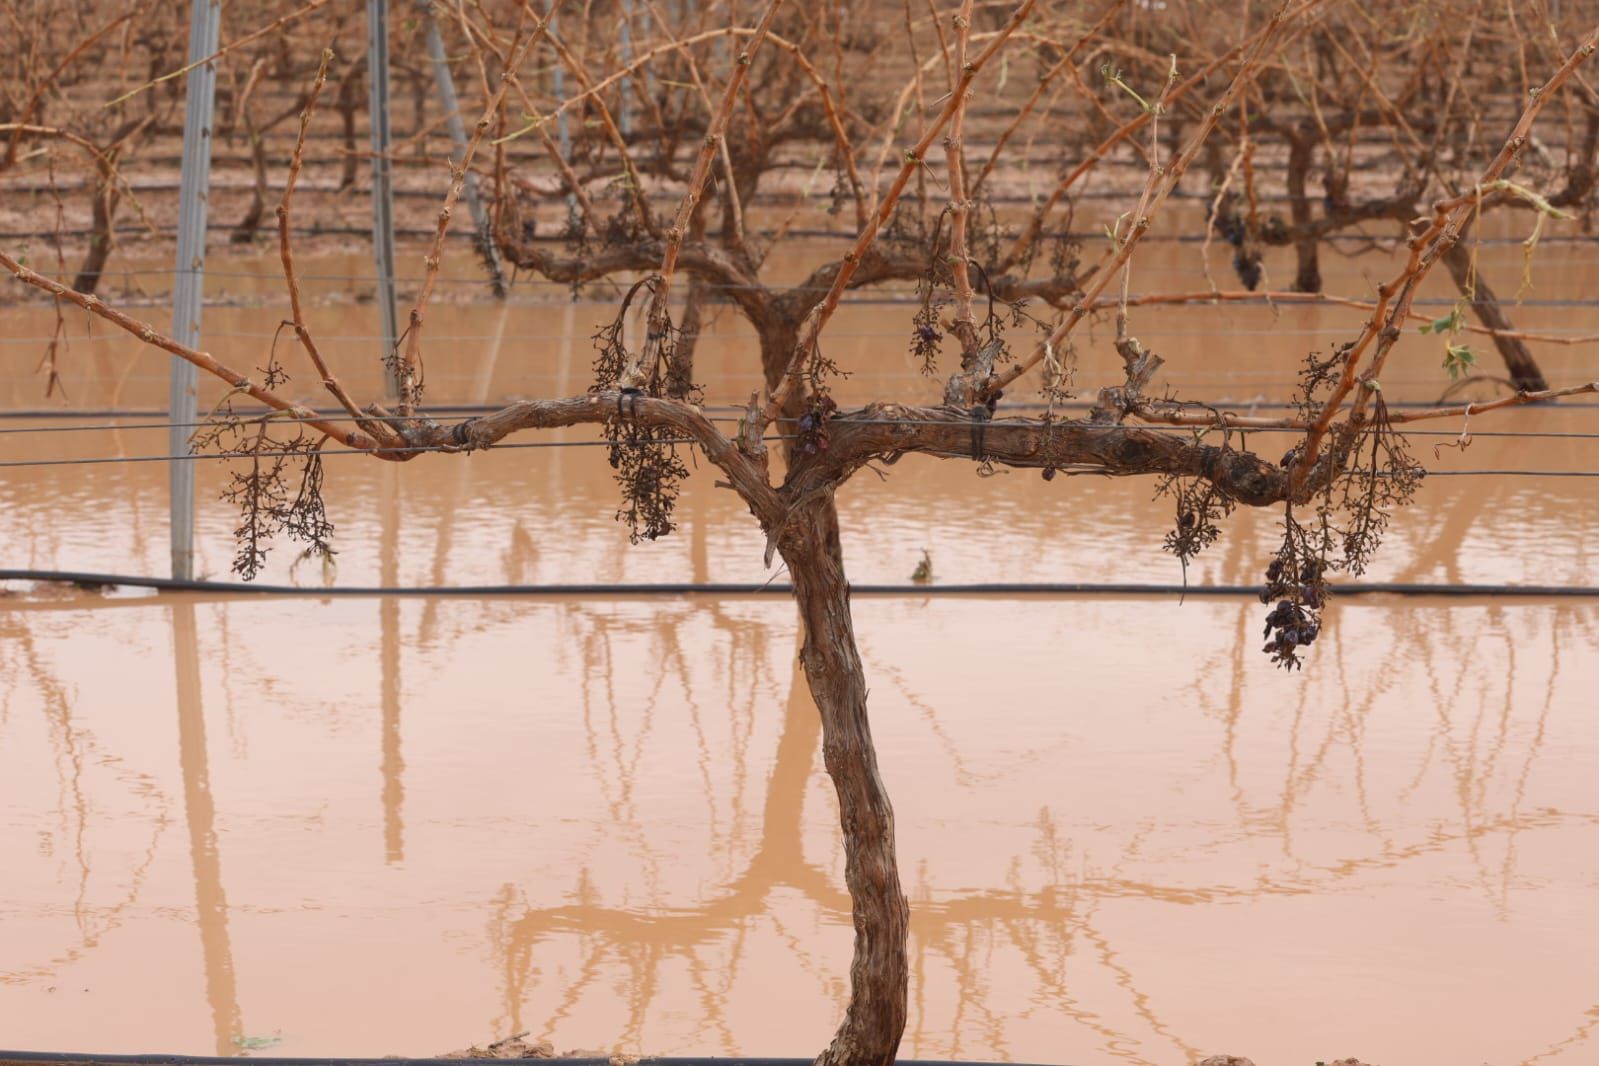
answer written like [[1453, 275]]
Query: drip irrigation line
[[7, 1058], [93, 581]]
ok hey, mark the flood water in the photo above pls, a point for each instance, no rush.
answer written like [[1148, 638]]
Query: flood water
[[401, 825]]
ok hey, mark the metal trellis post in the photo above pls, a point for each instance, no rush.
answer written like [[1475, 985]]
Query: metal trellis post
[[563, 130], [377, 76], [457, 128], [188, 282], [624, 118]]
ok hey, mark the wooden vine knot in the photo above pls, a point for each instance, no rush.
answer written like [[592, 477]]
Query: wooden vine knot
[[743, 59], [147, 334]]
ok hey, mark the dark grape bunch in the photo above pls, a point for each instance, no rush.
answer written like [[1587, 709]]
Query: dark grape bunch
[[1308, 591], [1246, 253], [1230, 225], [1246, 264], [814, 435], [1295, 628], [1295, 622]]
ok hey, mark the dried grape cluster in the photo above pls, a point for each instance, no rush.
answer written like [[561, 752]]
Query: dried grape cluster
[[1236, 231], [1200, 508], [262, 493], [650, 473], [1289, 627], [814, 434], [1364, 474], [278, 489], [1299, 589], [649, 470], [277, 486], [935, 284]]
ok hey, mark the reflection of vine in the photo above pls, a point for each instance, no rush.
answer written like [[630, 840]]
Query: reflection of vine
[[78, 748]]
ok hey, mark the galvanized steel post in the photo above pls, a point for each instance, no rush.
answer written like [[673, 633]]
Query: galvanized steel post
[[563, 130], [457, 128], [624, 117], [188, 281], [377, 76]]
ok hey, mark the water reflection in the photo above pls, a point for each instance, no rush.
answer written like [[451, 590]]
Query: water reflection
[[393, 766], [609, 827], [66, 828], [605, 821], [210, 898]]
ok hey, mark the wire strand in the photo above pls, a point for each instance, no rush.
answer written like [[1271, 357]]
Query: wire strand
[[254, 418], [294, 453]]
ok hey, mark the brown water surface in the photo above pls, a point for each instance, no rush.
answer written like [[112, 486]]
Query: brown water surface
[[400, 825]]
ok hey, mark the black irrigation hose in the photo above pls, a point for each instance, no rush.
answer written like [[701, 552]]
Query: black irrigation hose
[[75, 1059], [688, 588]]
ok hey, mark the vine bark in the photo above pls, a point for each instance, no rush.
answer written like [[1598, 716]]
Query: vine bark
[[879, 975]]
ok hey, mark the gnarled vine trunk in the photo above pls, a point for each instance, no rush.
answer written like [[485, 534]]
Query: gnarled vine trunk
[[1519, 362], [106, 197], [879, 974], [1307, 247]]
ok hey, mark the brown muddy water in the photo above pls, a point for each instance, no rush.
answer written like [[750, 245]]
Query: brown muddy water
[[397, 825]]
